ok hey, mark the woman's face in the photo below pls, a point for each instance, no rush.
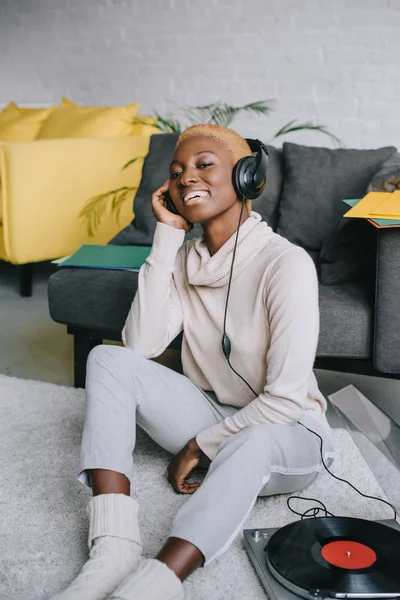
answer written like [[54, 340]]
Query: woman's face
[[201, 180]]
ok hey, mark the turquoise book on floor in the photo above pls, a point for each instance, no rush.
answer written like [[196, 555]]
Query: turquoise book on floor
[[108, 256]]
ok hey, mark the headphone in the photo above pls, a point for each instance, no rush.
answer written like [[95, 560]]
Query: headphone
[[250, 172], [249, 175]]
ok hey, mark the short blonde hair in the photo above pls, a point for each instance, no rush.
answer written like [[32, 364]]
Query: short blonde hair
[[234, 144]]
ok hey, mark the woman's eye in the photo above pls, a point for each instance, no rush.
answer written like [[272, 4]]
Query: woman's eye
[[200, 166]]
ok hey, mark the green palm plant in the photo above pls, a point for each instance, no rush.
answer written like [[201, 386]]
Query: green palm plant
[[223, 114], [94, 211], [293, 126], [219, 113]]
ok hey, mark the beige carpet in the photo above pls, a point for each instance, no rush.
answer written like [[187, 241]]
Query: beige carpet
[[43, 523]]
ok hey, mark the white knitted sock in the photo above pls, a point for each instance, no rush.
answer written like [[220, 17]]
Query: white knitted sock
[[114, 544], [153, 580]]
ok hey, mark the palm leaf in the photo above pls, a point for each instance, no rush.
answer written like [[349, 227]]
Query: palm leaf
[[123, 196], [293, 125], [260, 107], [223, 114], [94, 211], [145, 120], [200, 114], [133, 160], [168, 124], [162, 123]]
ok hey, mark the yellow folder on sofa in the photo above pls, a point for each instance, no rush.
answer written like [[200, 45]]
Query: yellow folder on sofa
[[367, 204], [389, 208]]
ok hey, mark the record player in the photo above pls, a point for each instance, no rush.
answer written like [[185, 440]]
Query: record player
[[327, 557], [339, 557]]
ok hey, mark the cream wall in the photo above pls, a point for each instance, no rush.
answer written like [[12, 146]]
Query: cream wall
[[333, 62]]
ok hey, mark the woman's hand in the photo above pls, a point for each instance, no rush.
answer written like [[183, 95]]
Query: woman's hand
[[182, 465], [161, 212]]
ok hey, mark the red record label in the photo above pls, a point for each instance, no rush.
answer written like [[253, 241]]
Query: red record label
[[348, 555]]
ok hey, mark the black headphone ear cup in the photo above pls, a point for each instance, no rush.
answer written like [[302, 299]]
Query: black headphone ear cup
[[242, 177], [169, 205], [250, 172]]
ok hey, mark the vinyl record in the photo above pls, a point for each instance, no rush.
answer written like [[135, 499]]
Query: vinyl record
[[337, 555]]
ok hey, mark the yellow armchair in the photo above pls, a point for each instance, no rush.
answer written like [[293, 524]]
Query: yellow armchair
[[44, 185]]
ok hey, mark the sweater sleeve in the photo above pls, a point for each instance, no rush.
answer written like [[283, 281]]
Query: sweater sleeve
[[293, 318], [156, 317]]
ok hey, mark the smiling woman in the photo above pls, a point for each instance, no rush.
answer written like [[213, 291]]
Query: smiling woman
[[241, 410]]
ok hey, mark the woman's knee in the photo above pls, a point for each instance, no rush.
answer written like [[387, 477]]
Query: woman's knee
[[254, 440], [108, 356]]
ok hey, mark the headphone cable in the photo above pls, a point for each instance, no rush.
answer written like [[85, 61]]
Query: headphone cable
[[226, 343]]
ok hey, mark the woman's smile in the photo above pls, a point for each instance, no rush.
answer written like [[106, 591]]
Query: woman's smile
[[192, 197]]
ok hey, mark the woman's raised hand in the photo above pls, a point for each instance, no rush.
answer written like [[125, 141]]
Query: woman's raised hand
[[161, 212]]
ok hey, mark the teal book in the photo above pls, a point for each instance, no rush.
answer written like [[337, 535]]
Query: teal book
[[108, 256]]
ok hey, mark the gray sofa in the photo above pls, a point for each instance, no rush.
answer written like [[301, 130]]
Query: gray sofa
[[358, 265]]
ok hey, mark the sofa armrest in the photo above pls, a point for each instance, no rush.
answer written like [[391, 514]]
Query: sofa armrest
[[387, 302], [387, 179], [46, 184]]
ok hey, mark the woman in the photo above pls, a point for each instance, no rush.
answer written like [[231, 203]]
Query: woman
[[254, 444]]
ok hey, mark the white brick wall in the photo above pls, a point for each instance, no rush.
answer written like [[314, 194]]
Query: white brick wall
[[332, 62]]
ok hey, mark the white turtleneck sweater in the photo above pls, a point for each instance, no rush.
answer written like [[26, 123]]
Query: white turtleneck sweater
[[272, 323]]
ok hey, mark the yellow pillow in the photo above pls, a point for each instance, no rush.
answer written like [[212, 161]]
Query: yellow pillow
[[13, 111], [9, 112], [22, 127], [67, 102], [88, 121], [24, 110], [143, 125]]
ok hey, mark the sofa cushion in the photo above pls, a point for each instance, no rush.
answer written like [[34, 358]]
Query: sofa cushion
[[346, 320], [97, 299], [23, 127], [349, 253], [12, 111], [387, 179], [316, 180], [2, 249], [70, 121], [268, 203], [9, 112]]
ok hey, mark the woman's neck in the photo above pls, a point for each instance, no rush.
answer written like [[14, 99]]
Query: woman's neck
[[218, 230]]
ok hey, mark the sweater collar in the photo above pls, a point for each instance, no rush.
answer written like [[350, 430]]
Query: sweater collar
[[214, 271]]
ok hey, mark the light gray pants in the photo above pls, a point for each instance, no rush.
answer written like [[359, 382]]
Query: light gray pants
[[124, 389]]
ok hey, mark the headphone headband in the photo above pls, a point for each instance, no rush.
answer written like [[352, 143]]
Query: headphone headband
[[256, 145]]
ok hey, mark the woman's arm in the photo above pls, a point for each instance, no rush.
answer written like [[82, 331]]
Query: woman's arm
[[293, 317], [155, 317]]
